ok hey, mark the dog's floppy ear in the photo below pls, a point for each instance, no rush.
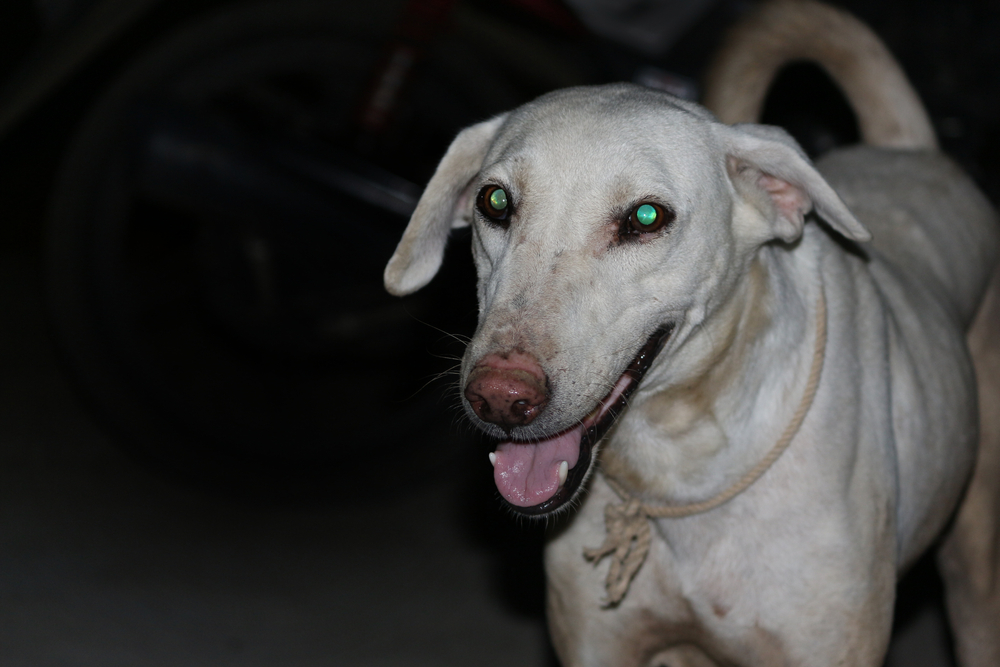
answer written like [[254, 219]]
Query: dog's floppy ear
[[767, 161], [445, 205]]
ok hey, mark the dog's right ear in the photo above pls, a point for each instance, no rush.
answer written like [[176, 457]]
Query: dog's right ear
[[445, 205]]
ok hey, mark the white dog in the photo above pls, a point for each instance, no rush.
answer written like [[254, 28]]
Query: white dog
[[783, 407]]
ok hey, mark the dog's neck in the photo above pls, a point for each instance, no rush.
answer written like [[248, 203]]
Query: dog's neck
[[731, 385]]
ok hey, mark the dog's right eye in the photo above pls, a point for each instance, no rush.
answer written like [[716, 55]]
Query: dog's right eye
[[493, 203]]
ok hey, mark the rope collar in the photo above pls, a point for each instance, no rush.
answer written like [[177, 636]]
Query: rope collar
[[628, 532]]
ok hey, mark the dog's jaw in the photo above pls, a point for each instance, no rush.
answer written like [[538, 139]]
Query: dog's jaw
[[528, 474]]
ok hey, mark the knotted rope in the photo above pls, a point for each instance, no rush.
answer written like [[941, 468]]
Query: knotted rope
[[627, 525]]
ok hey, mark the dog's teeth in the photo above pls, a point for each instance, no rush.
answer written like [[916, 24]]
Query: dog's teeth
[[563, 472], [493, 459]]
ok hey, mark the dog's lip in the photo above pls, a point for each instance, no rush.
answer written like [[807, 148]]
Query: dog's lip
[[597, 423]]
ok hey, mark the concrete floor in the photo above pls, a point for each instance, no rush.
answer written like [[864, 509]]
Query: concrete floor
[[103, 563]]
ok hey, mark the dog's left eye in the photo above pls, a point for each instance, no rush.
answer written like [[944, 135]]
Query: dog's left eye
[[645, 218], [492, 202]]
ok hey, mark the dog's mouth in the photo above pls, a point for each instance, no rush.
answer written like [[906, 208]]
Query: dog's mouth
[[539, 476]]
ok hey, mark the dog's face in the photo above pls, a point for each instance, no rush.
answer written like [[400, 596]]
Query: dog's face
[[608, 225]]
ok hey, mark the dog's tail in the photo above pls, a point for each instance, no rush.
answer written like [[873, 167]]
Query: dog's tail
[[888, 111]]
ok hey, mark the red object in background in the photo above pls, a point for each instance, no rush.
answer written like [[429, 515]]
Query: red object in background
[[553, 12], [419, 25]]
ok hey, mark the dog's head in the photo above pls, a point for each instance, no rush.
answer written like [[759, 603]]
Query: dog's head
[[609, 223]]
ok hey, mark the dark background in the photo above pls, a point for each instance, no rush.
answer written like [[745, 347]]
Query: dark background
[[220, 442]]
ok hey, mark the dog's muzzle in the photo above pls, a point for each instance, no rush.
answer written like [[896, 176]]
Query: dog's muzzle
[[541, 475]]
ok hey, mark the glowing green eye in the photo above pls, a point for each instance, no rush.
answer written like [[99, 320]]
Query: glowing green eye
[[498, 200], [492, 202], [646, 219], [646, 215]]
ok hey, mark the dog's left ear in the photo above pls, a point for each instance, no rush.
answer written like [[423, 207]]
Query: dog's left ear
[[767, 164], [445, 205]]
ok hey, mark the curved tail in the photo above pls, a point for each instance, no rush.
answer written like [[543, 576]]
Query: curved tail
[[888, 111]]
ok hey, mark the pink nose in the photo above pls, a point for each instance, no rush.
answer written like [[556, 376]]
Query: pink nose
[[507, 391]]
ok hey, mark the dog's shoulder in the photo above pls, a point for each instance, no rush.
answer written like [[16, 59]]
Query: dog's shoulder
[[927, 217]]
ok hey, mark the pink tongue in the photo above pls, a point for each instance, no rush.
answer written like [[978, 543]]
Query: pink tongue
[[528, 473]]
